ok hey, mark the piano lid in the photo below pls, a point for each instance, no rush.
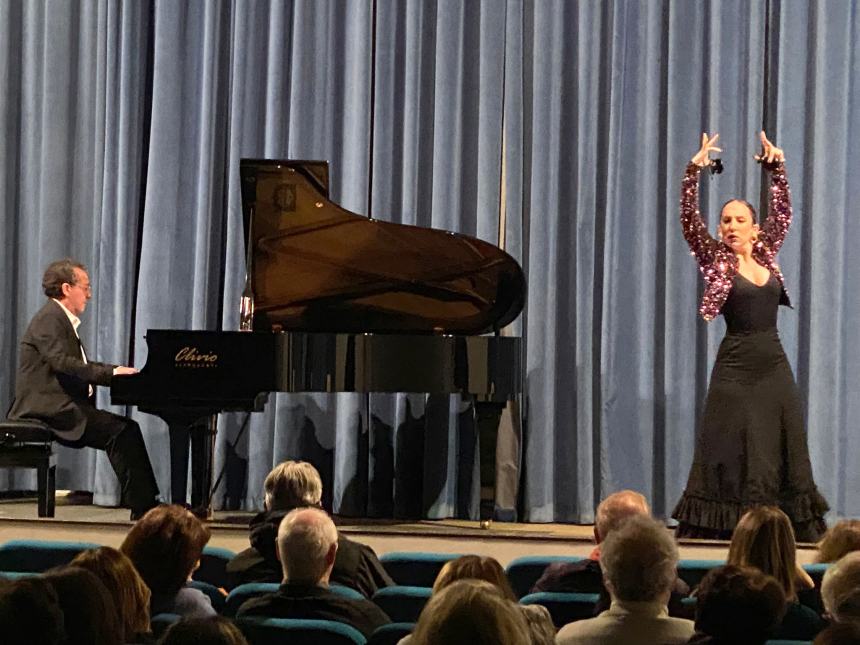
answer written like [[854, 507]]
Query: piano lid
[[316, 266]]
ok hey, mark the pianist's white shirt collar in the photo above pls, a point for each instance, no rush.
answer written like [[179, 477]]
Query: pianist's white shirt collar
[[76, 322]]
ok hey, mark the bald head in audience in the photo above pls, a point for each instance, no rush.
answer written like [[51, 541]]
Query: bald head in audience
[[307, 546], [616, 508]]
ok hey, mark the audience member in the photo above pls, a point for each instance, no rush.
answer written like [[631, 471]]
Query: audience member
[[89, 613], [738, 606], [214, 630], [30, 613], [840, 589], [476, 567], [839, 634], [126, 587], [297, 484], [840, 539], [638, 560], [764, 539], [307, 547], [165, 546], [470, 612], [585, 576]]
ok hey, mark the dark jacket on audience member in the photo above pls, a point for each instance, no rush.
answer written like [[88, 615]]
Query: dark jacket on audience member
[[355, 566], [585, 576], [316, 603]]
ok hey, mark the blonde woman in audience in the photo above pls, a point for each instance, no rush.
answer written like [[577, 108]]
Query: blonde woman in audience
[[165, 546], [124, 584], [639, 561], [764, 539], [476, 567], [840, 539], [840, 589], [470, 612]]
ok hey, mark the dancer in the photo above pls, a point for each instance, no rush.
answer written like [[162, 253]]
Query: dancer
[[752, 448]]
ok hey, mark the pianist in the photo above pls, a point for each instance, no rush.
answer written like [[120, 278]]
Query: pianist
[[55, 382]]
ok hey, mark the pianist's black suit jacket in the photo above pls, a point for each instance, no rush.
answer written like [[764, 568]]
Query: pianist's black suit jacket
[[52, 380]]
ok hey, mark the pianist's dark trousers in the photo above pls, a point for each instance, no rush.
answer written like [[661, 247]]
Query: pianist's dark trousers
[[121, 439]]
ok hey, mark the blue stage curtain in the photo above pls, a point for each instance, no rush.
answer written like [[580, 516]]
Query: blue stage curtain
[[570, 121]]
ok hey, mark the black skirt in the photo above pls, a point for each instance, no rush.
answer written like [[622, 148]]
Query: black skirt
[[752, 448]]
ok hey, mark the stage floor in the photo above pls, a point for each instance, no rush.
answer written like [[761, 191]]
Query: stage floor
[[503, 540]]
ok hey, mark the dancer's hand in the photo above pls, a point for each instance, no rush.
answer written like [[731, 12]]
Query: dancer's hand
[[702, 157], [770, 153]]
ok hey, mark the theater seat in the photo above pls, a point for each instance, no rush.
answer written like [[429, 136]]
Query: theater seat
[[249, 590], [403, 604], [692, 571], [564, 607], [415, 568], [390, 634], [524, 572], [160, 622], [295, 631], [39, 555], [213, 566]]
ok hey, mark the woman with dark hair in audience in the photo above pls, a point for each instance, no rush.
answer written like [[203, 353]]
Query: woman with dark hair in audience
[[165, 546], [738, 606], [124, 584], [840, 539], [764, 539], [89, 613], [30, 613], [214, 630], [470, 612]]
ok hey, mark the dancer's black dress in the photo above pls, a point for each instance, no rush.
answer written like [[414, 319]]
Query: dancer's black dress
[[752, 448]]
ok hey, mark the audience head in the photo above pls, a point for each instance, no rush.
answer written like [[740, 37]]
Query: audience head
[[839, 634], [616, 508], [474, 567], [292, 484], [840, 539], [30, 613], [840, 589], [470, 612], [89, 613], [165, 546], [639, 560], [739, 605], [214, 630], [307, 545], [124, 584], [764, 539]]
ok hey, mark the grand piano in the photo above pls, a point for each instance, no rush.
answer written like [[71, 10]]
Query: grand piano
[[334, 302]]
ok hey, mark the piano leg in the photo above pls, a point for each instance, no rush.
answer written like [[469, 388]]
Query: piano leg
[[201, 465], [499, 437], [180, 434]]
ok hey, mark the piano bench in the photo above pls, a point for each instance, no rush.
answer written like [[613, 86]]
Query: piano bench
[[26, 443]]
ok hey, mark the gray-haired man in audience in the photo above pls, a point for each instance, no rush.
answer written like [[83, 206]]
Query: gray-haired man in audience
[[586, 576], [639, 562], [307, 546], [297, 484]]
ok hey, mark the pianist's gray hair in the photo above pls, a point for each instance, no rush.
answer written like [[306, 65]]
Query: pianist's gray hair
[[305, 537], [638, 560], [292, 484], [58, 272]]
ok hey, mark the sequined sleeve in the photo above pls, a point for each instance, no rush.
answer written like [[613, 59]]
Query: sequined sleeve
[[775, 227], [695, 230]]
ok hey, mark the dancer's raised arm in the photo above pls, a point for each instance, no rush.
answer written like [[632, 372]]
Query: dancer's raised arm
[[775, 226], [692, 225]]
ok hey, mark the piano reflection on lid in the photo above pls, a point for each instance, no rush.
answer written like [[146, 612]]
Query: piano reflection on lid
[[339, 302]]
